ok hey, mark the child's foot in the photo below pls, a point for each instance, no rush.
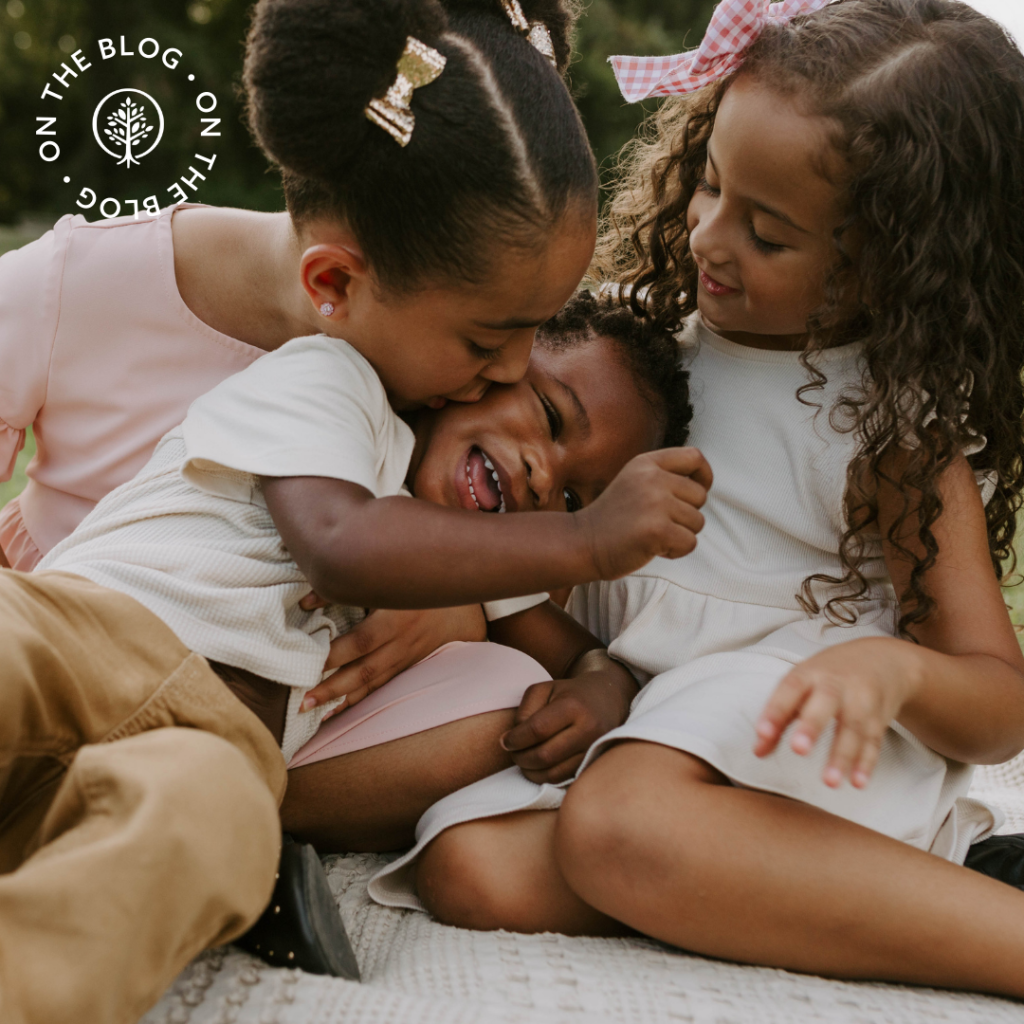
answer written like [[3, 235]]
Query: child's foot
[[302, 927], [999, 857]]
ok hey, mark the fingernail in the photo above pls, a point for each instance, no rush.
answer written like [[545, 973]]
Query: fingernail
[[802, 743], [860, 779], [307, 703], [765, 729], [501, 742], [833, 778]]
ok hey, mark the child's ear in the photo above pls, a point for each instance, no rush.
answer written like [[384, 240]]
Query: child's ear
[[329, 273]]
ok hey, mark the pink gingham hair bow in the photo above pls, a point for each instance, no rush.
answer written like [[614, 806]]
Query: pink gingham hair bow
[[734, 26]]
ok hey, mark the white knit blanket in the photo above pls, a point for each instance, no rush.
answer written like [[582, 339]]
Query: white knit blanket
[[416, 971]]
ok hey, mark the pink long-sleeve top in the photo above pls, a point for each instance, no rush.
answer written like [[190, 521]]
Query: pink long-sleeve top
[[101, 357]]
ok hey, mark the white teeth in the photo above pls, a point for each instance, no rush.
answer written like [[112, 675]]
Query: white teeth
[[487, 461]]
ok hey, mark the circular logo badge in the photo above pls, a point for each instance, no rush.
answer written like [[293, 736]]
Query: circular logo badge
[[133, 126]]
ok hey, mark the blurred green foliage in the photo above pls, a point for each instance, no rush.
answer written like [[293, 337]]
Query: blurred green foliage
[[38, 36], [13, 487]]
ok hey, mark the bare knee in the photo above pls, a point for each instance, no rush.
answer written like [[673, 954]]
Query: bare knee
[[608, 825], [478, 876]]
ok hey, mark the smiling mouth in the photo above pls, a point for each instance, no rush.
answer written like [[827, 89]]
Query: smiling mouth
[[714, 287], [484, 485]]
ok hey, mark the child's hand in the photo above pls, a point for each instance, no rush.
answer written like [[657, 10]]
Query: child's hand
[[649, 509], [862, 684], [558, 720], [387, 642]]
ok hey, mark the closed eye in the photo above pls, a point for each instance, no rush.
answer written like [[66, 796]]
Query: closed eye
[[767, 248], [554, 420], [483, 353], [705, 186]]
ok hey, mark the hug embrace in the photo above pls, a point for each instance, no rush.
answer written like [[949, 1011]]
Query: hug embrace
[[668, 607]]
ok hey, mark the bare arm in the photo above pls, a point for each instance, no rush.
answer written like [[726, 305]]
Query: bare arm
[[960, 689], [398, 552], [968, 703]]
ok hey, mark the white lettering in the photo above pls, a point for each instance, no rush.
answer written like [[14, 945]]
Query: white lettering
[[212, 123], [154, 209], [110, 199], [63, 79], [47, 91], [208, 160], [199, 102], [171, 63], [82, 195], [124, 52], [106, 45], [134, 202], [83, 64], [56, 151], [178, 191], [44, 129], [191, 182], [156, 48]]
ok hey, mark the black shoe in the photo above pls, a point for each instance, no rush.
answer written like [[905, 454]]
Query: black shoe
[[999, 857], [302, 927]]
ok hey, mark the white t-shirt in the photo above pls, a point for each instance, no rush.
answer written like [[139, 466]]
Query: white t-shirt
[[190, 536]]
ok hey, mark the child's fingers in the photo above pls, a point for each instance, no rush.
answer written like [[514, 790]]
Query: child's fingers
[[686, 462], [782, 707], [534, 699], [820, 708], [866, 765], [559, 773], [538, 728], [312, 601], [859, 725], [359, 641]]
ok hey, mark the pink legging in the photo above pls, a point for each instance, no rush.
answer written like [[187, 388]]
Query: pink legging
[[456, 681]]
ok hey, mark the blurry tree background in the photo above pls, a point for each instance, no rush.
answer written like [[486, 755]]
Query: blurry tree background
[[37, 36]]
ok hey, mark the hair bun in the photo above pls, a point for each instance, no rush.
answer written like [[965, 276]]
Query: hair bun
[[311, 68]]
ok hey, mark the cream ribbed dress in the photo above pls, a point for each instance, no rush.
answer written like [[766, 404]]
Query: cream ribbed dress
[[712, 634]]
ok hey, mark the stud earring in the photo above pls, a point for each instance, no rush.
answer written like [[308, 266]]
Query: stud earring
[[326, 308]]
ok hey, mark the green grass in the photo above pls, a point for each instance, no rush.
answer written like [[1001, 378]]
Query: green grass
[[14, 486]]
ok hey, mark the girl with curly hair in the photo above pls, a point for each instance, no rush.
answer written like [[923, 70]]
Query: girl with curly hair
[[836, 229]]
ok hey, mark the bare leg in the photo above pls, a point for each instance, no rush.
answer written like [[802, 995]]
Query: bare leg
[[371, 799], [501, 873], [651, 836]]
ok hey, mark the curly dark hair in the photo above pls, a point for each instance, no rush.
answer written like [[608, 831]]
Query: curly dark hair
[[927, 102], [649, 353], [498, 153]]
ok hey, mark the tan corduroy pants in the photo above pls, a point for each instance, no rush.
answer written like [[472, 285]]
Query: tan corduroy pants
[[138, 804]]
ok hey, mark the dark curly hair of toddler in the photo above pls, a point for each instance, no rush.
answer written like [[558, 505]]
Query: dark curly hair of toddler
[[648, 352]]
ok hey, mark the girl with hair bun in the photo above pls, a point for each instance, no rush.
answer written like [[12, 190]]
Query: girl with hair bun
[[441, 206]]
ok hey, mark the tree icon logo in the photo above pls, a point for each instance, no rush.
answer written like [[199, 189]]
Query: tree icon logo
[[124, 123]]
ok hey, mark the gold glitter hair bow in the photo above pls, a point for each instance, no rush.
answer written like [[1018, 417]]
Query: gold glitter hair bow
[[535, 31], [419, 65]]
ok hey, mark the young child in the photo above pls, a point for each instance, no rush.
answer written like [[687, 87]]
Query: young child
[[837, 224], [139, 797], [602, 385]]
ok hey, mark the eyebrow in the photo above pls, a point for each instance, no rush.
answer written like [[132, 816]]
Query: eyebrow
[[512, 324], [763, 207], [578, 408]]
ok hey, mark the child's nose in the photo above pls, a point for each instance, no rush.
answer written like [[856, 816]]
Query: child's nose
[[540, 480], [709, 238], [510, 366]]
